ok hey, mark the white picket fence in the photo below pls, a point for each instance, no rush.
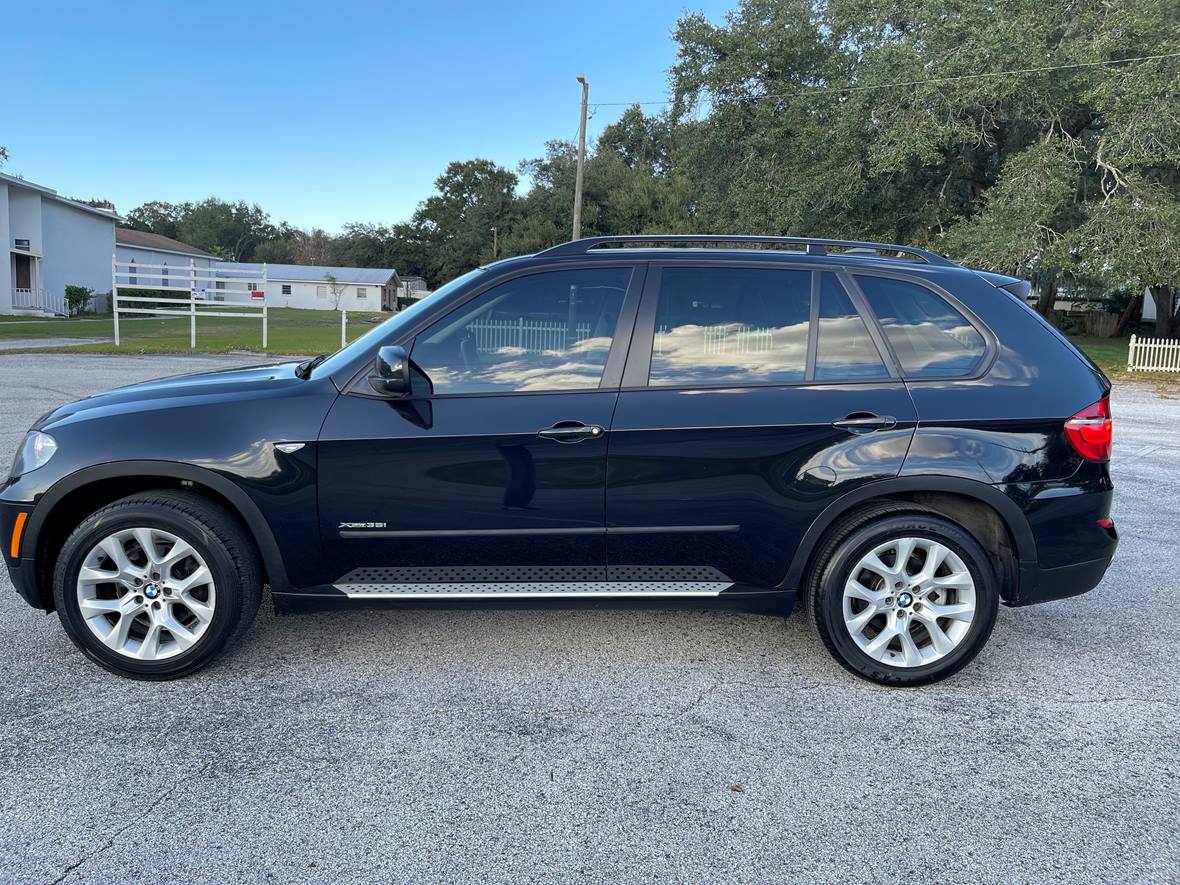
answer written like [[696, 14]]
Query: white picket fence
[[1153, 355], [738, 338], [726, 338], [529, 336]]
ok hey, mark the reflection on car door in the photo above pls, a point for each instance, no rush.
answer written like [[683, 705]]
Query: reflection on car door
[[752, 397], [494, 470]]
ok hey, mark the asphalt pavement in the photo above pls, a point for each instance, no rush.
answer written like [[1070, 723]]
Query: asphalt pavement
[[604, 745]]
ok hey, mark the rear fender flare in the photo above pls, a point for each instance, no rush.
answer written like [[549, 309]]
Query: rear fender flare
[[1010, 513]]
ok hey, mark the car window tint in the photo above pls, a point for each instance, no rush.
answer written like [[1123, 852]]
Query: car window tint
[[546, 331], [844, 349], [736, 325], [931, 338]]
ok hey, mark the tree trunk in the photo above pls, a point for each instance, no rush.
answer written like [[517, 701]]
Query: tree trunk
[[1166, 321], [1132, 315], [1046, 297]]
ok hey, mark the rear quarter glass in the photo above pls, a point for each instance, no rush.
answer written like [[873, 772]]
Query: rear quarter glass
[[1036, 374], [1056, 333]]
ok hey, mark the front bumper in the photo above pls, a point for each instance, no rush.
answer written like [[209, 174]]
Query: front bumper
[[23, 574], [21, 567]]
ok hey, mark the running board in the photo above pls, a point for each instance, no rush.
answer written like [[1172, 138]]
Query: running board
[[534, 590]]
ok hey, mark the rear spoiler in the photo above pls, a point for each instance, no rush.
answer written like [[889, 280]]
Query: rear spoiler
[[1019, 288]]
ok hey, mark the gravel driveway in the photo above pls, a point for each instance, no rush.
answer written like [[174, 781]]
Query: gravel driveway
[[605, 745]]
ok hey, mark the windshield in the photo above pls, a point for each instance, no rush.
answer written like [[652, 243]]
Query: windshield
[[345, 355]]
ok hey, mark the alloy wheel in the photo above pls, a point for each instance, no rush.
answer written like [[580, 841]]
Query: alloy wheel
[[146, 593], [909, 602]]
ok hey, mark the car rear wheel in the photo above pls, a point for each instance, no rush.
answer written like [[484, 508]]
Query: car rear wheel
[[156, 585], [903, 597]]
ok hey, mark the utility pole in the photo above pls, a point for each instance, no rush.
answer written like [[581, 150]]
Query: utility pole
[[581, 159], [495, 244]]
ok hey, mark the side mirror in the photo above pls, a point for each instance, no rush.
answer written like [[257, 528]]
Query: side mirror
[[391, 371]]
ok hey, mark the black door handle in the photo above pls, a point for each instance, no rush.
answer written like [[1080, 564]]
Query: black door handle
[[865, 422], [571, 432]]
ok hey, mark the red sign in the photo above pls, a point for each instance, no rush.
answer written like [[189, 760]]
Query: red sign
[[257, 295]]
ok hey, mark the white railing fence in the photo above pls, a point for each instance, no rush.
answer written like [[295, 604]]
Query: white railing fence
[[738, 339], [39, 299], [204, 292], [529, 336], [726, 338], [1153, 355], [28, 299]]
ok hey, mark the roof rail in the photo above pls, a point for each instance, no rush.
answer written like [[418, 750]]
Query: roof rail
[[813, 246]]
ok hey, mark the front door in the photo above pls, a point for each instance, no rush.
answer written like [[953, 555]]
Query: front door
[[753, 397], [494, 474]]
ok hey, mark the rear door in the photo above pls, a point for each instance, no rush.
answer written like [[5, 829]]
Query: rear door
[[753, 396], [495, 470]]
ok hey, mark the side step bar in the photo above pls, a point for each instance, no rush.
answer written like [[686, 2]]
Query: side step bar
[[534, 590]]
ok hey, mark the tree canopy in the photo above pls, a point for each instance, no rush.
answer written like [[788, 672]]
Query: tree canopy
[[1013, 135]]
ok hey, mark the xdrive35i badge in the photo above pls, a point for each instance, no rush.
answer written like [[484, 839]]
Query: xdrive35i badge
[[362, 525]]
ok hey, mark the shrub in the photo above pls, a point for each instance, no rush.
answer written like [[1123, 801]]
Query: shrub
[[78, 299]]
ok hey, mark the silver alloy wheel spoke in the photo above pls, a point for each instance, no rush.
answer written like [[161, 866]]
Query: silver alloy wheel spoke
[[202, 611], [909, 602], [136, 614]]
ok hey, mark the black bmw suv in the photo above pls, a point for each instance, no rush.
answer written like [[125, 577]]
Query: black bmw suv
[[898, 441]]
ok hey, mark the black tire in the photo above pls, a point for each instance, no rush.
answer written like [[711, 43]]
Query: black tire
[[852, 539], [216, 534]]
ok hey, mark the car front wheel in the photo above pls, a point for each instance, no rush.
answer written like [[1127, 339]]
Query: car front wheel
[[155, 585]]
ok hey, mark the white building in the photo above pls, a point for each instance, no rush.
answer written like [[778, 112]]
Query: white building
[[157, 260], [50, 243], [411, 289], [324, 288]]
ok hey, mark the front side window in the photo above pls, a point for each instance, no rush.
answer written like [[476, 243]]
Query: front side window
[[931, 338], [545, 331], [362, 292], [730, 325], [286, 289]]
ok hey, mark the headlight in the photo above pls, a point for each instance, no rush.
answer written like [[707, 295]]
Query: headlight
[[34, 452]]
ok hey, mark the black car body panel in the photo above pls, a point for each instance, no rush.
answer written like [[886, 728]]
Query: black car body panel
[[732, 483], [216, 429], [733, 478], [471, 466]]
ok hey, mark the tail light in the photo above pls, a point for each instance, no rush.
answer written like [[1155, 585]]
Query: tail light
[[1090, 431]]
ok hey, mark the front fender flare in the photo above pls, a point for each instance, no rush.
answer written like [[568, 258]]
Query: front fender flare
[[256, 524]]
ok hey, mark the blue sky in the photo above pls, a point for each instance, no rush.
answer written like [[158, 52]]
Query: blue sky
[[320, 112]]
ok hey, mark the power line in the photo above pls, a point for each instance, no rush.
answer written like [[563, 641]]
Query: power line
[[926, 82]]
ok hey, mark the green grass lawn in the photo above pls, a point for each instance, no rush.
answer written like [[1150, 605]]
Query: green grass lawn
[[290, 331], [6, 319], [1111, 356], [1109, 353]]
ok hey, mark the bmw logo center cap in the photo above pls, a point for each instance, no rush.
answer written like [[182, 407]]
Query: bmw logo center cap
[[905, 599], [151, 591]]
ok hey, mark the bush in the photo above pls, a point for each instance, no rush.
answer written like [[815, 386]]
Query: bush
[[78, 299]]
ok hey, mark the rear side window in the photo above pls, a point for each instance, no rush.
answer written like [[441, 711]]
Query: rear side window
[[731, 325], [844, 350], [931, 338]]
